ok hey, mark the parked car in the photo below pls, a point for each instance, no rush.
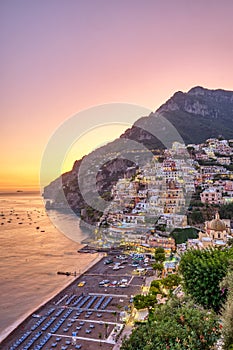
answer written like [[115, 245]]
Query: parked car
[[108, 261], [81, 284]]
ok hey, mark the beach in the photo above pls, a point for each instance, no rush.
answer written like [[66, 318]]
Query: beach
[[49, 297], [32, 251], [86, 313]]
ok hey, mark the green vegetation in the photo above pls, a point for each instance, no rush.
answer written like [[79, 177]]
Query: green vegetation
[[202, 271], [91, 214], [155, 287], [156, 283], [191, 322], [158, 267], [161, 227], [227, 311], [177, 325], [199, 214], [181, 235], [171, 281], [196, 217], [229, 167], [150, 300], [159, 255], [155, 290], [226, 211], [144, 301], [196, 203]]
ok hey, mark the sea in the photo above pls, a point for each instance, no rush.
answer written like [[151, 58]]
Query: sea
[[32, 250]]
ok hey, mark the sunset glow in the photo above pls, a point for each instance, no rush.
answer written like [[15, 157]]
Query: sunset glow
[[61, 57]]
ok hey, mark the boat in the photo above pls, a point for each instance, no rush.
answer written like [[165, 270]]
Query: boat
[[66, 273]]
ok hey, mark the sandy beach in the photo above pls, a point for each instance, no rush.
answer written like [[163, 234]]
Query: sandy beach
[[82, 315], [71, 279]]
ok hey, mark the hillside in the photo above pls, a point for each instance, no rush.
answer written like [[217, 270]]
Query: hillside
[[197, 115]]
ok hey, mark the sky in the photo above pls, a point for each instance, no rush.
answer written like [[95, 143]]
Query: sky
[[60, 57]]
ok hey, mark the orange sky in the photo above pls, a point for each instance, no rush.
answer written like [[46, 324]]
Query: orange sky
[[60, 57]]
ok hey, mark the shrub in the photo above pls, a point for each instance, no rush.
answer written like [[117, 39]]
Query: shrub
[[177, 325], [202, 271]]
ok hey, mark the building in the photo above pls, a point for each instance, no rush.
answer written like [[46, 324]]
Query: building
[[173, 220], [172, 198], [224, 160], [211, 196], [217, 228], [216, 234]]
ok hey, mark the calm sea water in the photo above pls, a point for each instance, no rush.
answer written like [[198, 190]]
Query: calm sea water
[[32, 250]]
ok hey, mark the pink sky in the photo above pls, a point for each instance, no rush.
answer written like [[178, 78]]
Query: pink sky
[[59, 57]]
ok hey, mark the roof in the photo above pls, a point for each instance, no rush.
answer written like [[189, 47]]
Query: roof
[[206, 239], [218, 242], [217, 224]]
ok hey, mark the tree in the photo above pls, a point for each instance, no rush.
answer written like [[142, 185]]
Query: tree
[[159, 255], [150, 301], [202, 271], [154, 290], [226, 211], [196, 217], [227, 311], [155, 287], [156, 283], [145, 301], [181, 235], [139, 301], [159, 250], [158, 267], [171, 281], [177, 325]]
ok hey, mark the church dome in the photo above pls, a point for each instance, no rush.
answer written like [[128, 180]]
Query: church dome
[[217, 224]]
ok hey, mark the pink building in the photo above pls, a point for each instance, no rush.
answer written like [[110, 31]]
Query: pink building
[[212, 196]]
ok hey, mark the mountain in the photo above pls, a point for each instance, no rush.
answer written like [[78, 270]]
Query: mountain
[[194, 117], [198, 115]]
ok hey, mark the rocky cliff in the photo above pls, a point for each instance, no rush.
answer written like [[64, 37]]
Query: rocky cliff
[[197, 115]]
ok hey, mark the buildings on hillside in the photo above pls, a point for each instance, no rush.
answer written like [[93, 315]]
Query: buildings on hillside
[[159, 194]]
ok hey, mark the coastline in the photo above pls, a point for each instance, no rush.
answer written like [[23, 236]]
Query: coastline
[[28, 314], [75, 310]]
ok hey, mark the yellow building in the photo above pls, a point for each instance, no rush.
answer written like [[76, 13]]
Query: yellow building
[[216, 234]]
